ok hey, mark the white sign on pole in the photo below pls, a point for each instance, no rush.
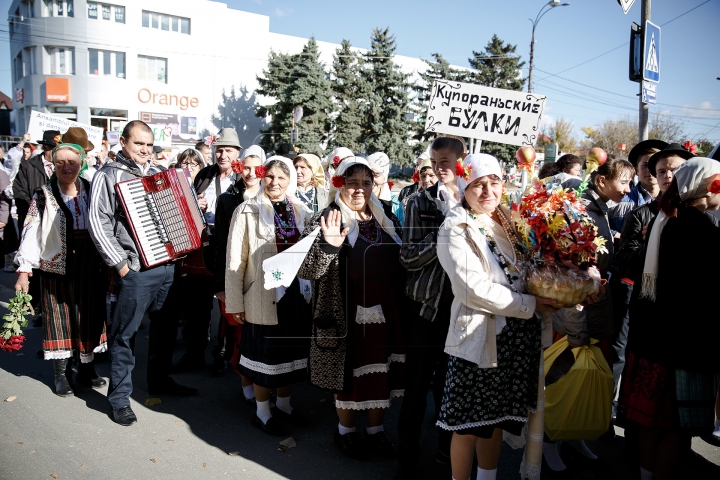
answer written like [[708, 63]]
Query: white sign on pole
[[485, 113], [39, 122], [113, 138], [626, 4], [163, 134]]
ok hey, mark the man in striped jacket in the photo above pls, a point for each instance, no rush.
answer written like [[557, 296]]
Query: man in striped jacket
[[139, 290]]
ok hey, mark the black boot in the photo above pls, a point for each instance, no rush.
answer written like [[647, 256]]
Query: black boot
[[87, 377], [62, 386]]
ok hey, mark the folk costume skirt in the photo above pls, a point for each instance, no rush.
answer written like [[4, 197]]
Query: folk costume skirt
[[274, 356], [73, 305], [659, 396], [477, 400]]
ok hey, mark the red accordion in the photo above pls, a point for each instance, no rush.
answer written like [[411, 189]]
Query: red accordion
[[164, 215]]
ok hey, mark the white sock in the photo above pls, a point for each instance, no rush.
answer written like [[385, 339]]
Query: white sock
[[374, 430], [283, 403], [552, 456], [249, 391], [580, 447], [345, 430], [263, 410], [483, 474], [645, 475]]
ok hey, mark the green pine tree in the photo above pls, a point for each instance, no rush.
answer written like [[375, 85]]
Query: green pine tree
[[386, 126], [498, 66], [273, 82], [310, 90], [347, 89]]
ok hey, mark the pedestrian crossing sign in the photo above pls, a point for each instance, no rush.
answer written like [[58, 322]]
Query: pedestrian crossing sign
[[651, 53]]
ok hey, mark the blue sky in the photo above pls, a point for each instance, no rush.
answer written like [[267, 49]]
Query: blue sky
[[585, 93]]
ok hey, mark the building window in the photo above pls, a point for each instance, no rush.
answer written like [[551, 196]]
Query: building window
[[107, 63], [58, 8], [18, 67], [153, 69], [29, 8], [165, 22], [29, 61], [106, 11], [60, 61]]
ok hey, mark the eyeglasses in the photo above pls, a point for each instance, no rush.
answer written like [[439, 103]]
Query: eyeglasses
[[190, 165]]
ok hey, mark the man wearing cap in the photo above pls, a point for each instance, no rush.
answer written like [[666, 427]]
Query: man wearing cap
[[210, 183], [138, 290], [415, 186]]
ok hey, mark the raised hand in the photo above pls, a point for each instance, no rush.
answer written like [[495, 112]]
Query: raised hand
[[331, 229]]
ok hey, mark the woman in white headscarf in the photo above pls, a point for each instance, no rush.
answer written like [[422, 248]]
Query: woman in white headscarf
[[251, 158], [356, 347], [274, 350], [311, 181], [380, 164], [668, 387], [191, 159]]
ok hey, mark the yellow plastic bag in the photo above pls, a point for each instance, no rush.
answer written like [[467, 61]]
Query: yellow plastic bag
[[578, 406]]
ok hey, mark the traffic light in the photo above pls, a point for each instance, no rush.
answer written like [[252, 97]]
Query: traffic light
[[636, 52]]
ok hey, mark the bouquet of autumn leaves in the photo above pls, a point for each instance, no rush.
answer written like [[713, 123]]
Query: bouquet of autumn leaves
[[562, 242], [11, 337]]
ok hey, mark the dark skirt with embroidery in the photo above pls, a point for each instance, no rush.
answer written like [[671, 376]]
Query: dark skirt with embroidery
[[74, 311], [273, 356], [477, 397], [659, 396]]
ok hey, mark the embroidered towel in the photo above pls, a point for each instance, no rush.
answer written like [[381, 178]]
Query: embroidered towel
[[280, 270]]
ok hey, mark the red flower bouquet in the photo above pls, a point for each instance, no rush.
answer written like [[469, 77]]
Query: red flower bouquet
[[11, 337], [562, 242]]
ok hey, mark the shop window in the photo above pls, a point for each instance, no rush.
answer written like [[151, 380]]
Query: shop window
[[165, 22], [58, 8], [152, 69], [106, 63], [28, 57], [106, 11], [60, 61]]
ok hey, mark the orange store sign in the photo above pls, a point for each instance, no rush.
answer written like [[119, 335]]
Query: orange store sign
[[145, 95], [57, 89]]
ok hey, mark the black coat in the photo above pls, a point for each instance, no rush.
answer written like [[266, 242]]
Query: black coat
[[31, 176]]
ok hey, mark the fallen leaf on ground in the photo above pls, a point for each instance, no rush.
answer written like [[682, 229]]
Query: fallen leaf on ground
[[54, 476], [152, 401], [280, 449], [153, 460], [234, 454], [204, 464], [84, 466], [170, 440], [21, 443], [10, 398], [289, 442]]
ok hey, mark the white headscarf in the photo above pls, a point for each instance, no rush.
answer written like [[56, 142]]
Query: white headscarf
[[199, 155], [693, 178], [266, 210], [380, 162], [341, 152], [253, 151], [349, 217]]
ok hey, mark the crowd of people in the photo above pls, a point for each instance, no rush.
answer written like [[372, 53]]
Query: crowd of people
[[392, 296]]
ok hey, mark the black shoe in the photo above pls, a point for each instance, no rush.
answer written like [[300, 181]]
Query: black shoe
[[272, 427], [187, 363], [442, 458], [62, 385], [170, 387], [219, 367], [380, 443], [293, 418], [124, 416], [351, 445], [87, 377]]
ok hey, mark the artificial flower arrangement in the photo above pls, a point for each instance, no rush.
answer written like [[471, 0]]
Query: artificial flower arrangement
[[561, 240], [238, 168], [11, 337]]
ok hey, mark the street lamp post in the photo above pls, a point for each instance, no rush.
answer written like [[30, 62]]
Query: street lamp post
[[546, 8]]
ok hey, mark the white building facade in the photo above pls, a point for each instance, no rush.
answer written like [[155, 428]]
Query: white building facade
[[166, 62]]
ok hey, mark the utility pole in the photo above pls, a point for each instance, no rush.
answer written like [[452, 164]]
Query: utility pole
[[643, 133]]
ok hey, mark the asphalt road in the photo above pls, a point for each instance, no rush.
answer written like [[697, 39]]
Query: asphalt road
[[43, 436]]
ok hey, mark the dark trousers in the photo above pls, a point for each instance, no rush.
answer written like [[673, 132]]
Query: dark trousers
[[138, 292], [425, 362], [621, 293], [163, 332], [198, 305]]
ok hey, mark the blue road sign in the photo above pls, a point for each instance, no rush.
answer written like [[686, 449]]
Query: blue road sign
[[651, 53], [649, 90]]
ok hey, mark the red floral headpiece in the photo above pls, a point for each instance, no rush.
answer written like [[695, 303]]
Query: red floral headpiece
[[338, 181], [390, 185], [260, 171], [691, 147], [416, 177], [336, 160], [714, 186], [238, 167], [462, 171], [210, 140]]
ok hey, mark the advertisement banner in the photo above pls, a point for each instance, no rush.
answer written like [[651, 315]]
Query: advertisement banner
[[180, 129], [485, 113], [39, 122]]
